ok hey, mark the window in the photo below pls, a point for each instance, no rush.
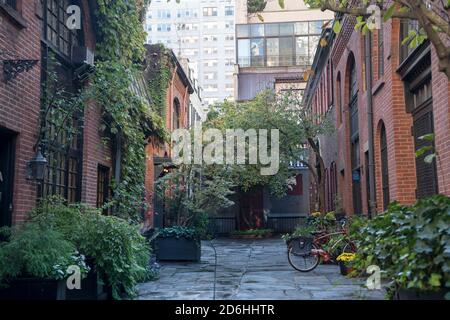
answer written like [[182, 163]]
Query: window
[[164, 27], [210, 75], [210, 63], [405, 27], [229, 11], [244, 52], [354, 136], [164, 14], [11, 3], [273, 52], [384, 166], [210, 50], [284, 44], [56, 32], [229, 51], [287, 50], [315, 27], [380, 53], [257, 52], [210, 12], [243, 31], [63, 131], [229, 38], [102, 187], [176, 115], [339, 98]]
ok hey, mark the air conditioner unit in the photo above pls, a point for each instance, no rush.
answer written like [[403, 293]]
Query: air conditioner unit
[[82, 56]]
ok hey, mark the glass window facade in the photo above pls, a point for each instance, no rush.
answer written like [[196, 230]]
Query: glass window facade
[[278, 44]]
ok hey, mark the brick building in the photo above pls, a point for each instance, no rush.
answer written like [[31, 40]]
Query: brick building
[[176, 116], [382, 97], [33, 36]]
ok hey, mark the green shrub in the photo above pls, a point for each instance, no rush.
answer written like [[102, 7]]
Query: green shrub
[[39, 252], [116, 248], [179, 232], [411, 244]]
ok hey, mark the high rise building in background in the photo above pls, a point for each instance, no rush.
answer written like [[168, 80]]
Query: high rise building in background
[[274, 52], [203, 32]]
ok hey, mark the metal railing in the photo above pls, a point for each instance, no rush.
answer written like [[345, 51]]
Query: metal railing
[[285, 224], [222, 225]]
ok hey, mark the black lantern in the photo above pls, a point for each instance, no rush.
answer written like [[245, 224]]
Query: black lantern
[[36, 167]]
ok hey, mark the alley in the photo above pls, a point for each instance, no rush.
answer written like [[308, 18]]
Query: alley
[[251, 270]]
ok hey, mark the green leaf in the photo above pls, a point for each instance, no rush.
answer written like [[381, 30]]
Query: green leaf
[[389, 12], [281, 3], [337, 27], [420, 152], [427, 137], [435, 280], [430, 158]]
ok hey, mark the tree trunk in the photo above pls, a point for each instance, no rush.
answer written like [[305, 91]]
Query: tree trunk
[[320, 175]]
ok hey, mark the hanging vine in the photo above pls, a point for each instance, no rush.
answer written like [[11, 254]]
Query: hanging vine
[[127, 117], [160, 70]]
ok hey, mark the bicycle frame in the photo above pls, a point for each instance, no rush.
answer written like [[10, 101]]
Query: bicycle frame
[[326, 256]]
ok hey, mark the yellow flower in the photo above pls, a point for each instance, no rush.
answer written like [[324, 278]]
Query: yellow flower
[[346, 257], [316, 214]]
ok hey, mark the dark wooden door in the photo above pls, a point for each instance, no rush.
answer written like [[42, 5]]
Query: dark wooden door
[[6, 178], [252, 210]]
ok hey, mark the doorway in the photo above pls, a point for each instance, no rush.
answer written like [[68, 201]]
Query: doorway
[[6, 177]]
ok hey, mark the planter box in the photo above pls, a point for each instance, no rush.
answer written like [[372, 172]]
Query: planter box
[[91, 289], [411, 294], [181, 249], [34, 289]]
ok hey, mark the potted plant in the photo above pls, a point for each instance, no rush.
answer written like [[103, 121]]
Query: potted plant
[[34, 264], [117, 255], [178, 244], [191, 193], [345, 261]]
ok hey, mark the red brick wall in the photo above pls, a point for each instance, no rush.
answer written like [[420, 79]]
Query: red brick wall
[[20, 102], [388, 108], [96, 150], [176, 90]]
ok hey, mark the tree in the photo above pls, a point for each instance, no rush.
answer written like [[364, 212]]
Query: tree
[[433, 17], [298, 129]]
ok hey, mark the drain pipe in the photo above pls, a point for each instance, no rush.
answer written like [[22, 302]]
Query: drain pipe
[[371, 164]]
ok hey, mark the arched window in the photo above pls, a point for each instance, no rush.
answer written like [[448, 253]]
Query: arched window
[[176, 114], [384, 166]]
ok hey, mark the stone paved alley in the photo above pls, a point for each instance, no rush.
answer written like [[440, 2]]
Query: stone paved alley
[[251, 270]]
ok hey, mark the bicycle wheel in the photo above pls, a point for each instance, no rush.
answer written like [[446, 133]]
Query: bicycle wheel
[[304, 262]]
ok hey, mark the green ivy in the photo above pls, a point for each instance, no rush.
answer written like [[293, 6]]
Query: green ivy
[[127, 117], [160, 75]]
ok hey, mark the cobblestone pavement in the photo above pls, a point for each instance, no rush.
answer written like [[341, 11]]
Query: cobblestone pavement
[[251, 270]]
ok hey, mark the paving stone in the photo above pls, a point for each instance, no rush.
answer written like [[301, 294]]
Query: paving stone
[[251, 270]]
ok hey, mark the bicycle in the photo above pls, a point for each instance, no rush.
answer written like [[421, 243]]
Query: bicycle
[[311, 251]]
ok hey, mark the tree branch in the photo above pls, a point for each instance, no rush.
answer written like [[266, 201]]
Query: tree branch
[[361, 11]]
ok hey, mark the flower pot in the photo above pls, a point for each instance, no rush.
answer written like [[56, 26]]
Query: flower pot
[[344, 268], [91, 289], [34, 289], [178, 249]]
